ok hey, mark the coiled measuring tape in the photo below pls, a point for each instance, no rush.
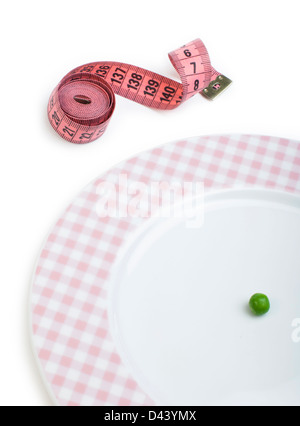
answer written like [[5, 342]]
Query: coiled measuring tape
[[82, 104]]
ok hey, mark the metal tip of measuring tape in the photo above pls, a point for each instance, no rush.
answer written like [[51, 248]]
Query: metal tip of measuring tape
[[216, 87]]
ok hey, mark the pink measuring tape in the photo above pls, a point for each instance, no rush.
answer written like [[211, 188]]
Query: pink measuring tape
[[82, 104]]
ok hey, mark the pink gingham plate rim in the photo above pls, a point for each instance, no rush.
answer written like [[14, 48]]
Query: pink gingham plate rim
[[284, 178]]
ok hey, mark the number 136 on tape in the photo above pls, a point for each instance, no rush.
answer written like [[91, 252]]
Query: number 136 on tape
[[82, 104]]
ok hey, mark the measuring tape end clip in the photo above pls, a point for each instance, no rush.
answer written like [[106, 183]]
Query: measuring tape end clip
[[216, 87]]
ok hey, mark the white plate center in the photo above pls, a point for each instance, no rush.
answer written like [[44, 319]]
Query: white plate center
[[180, 296]]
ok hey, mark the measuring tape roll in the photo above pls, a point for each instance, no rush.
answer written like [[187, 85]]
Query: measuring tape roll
[[82, 104]]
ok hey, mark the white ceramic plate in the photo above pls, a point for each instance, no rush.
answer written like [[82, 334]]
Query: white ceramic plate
[[139, 311]]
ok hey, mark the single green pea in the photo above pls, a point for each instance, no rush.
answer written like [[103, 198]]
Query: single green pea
[[259, 304]]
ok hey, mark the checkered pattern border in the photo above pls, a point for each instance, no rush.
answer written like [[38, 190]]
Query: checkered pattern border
[[69, 320]]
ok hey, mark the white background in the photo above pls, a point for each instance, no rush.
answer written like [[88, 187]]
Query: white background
[[255, 43]]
